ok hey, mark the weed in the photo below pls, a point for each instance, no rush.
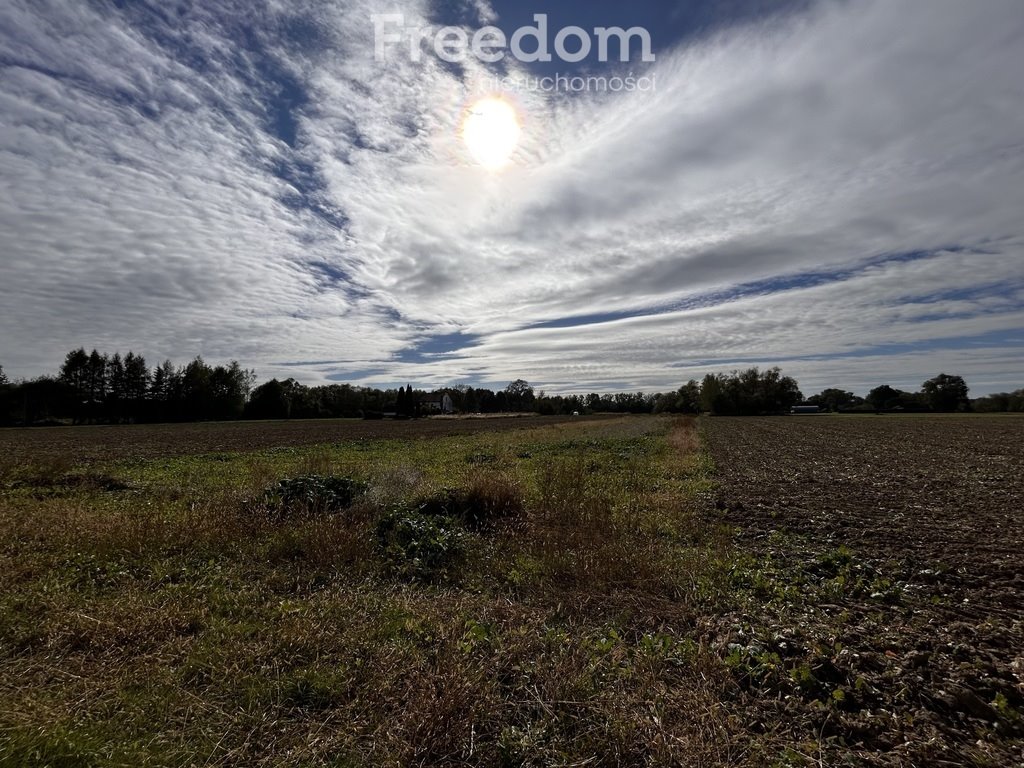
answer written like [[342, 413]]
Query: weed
[[387, 624], [421, 546], [488, 501], [311, 494]]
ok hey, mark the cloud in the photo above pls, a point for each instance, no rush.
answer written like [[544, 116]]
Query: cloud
[[142, 207], [838, 190]]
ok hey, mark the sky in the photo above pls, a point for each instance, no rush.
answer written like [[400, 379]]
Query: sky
[[834, 187]]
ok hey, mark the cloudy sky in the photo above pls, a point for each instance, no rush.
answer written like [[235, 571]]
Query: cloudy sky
[[835, 187]]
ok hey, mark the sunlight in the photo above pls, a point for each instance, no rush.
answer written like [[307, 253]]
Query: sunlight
[[491, 131]]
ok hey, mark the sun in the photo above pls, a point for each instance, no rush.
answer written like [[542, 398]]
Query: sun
[[491, 131]]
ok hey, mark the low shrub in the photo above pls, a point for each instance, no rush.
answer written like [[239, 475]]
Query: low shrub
[[312, 494], [69, 483], [486, 502], [421, 546]]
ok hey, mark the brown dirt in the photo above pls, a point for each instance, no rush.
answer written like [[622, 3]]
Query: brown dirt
[[880, 613], [146, 441]]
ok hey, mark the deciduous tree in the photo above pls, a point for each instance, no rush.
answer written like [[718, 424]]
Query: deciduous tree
[[946, 393], [519, 395]]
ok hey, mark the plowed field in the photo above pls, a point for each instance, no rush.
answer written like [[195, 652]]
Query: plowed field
[[884, 583]]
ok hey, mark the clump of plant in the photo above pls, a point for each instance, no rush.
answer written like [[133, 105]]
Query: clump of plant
[[56, 485], [481, 458], [312, 494], [421, 546], [489, 500]]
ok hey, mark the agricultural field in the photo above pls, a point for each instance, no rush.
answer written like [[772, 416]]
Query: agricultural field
[[881, 563], [524, 592], [590, 591], [94, 443]]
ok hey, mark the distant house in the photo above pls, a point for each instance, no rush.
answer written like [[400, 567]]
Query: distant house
[[437, 403]]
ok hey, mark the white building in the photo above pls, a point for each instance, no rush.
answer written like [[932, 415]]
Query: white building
[[437, 403]]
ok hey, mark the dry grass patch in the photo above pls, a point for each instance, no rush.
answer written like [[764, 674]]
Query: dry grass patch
[[181, 621]]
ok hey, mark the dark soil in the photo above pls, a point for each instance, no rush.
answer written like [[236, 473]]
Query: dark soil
[[145, 441], [880, 587]]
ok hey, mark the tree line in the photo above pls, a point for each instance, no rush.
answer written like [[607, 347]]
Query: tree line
[[101, 388], [942, 394]]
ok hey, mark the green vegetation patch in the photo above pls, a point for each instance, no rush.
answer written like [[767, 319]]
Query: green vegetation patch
[[312, 494], [512, 597]]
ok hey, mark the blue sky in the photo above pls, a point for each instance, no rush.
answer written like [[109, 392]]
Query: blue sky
[[832, 186]]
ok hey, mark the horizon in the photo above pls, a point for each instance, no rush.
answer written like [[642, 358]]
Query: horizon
[[257, 382], [827, 187]]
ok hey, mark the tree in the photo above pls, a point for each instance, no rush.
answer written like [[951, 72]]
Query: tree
[[136, 384], [883, 397], [44, 400], [487, 401], [116, 387], [749, 392], [946, 393], [270, 401], [688, 400], [342, 401], [632, 402], [501, 404], [8, 396], [912, 401], [835, 400], [196, 394], [229, 388], [75, 371], [163, 391], [96, 371], [1002, 402], [778, 393], [712, 395], [665, 403], [519, 395], [465, 399]]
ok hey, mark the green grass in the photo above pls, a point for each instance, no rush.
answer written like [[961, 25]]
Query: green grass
[[154, 613]]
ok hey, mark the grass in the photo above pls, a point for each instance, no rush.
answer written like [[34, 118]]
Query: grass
[[521, 597]]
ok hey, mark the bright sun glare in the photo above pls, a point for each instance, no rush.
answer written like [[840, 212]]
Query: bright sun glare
[[491, 131]]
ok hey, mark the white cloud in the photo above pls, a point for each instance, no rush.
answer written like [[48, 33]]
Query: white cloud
[[143, 205]]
